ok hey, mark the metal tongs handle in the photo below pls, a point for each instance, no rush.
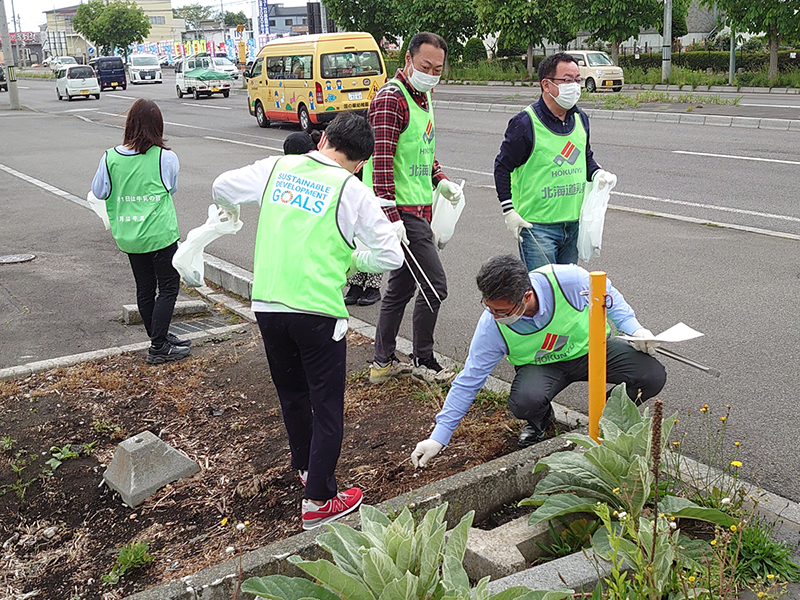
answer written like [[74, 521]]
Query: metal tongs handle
[[688, 361]]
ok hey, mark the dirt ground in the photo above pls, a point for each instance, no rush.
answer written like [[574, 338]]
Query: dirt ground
[[62, 529]]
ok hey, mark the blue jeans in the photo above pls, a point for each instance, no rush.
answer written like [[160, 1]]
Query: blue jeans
[[547, 243]]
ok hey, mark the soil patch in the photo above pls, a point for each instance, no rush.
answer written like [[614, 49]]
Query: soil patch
[[62, 529]]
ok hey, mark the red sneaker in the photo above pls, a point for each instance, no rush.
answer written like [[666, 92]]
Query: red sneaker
[[344, 503]]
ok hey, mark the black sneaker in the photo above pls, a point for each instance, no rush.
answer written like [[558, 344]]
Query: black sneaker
[[166, 353], [531, 434], [176, 341], [370, 296], [353, 294], [430, 371]]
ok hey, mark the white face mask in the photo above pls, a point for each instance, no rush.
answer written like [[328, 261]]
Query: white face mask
[[422, 82], [510, 319], [568, 95]]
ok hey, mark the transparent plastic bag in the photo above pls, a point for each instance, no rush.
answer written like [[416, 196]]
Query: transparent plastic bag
[[188, 259], [445, 216], [593, 216], [99, 208]]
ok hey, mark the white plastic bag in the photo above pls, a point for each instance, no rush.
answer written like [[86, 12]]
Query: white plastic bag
[[188, 259], [445, 216], [99, 208], [593, 216]]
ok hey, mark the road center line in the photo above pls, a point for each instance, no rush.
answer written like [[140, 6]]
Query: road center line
[[217, 139], [736, 157], [73, 110], [771, 105], [208, 106], [45, 186], [119, 96]]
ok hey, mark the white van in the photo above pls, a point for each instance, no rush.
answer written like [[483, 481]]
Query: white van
[[144, 68]]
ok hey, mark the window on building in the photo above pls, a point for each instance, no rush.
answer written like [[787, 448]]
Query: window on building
[[305, 21], [272, 22], [288, 22], [158, 20]]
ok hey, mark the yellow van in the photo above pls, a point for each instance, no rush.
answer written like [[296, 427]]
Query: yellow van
[[309, 79]]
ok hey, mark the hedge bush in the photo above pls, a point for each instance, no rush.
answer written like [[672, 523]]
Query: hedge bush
[[474, 50], [717, 61]]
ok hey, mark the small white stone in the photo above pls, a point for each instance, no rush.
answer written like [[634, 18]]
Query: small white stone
[[240, 526], [89, 581], [50, 532], [230, 550], [725, 501]]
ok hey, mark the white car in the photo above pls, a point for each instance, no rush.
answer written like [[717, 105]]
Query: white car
[[144, 68], [75, 81], [61, 61], [224, 65]]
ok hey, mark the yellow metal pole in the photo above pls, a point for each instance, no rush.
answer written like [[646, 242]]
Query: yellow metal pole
[[597, 352]]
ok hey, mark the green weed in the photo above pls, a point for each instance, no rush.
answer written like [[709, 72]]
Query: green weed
[[489, 399], [59, 455], [131, 556], [6, 443], [762, 557]]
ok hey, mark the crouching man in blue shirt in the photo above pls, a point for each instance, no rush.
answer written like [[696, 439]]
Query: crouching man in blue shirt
[[539, 320]]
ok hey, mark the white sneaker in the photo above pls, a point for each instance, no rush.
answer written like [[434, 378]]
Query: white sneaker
[[395, 368], [430, 371]]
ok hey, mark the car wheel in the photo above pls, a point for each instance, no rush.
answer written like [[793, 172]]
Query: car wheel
[[590, 86], [617, 88], [60, 97], [226, 93], [261, 116], [178, 91], [196, 94], [124, 87], [305, 120], [97, 96], [69, 98]]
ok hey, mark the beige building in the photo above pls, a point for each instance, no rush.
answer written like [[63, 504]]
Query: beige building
[[61, 39]]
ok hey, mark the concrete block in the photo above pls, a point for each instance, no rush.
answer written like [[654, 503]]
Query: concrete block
[[577, 571], [644, 116], [131, 316], [748, 89], [622, 115], [701, 88], [599, 113], [779, 124], [661, 87], [673, 88], [748, 122], [794, 125], [142, 465], [228, 276], [692, 119], [778, 90], [668, 118], [721, 88], [718, 120], [686, 88]]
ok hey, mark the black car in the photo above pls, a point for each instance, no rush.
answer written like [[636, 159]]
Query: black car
[[3, 82]]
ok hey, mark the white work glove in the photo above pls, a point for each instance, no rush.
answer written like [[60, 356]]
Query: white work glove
[[352, 269], [228, 212], [400, 230], [425, 451], [451, 191], [648, 346], [604, 178], [516, 224]]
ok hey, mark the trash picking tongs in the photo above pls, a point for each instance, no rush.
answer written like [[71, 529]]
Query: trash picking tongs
[[688, 361], [419, 285]]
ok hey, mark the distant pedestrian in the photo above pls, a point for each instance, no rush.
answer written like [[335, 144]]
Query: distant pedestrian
[[137, 180]]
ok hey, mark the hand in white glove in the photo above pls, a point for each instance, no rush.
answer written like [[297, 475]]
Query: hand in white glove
[[648, 346], [400, 230], [352, 269], [516, 224], [229, 212], [604, 178], [425, 451], [451, 191]]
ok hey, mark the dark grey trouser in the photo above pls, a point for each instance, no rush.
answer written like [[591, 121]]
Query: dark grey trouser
[[157, 288], [535, 386], [402, 287]]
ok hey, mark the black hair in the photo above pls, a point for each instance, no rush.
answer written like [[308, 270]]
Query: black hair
[[298, 142], [503, 277], [426, 37], [351, 134], [548, 66]]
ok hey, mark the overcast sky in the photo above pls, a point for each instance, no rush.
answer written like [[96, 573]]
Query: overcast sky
[[30, 12]]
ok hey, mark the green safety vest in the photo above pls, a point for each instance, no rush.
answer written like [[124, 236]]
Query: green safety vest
[[565, 337], [549, 187], [140, 208], [301, 258], [414, 154]]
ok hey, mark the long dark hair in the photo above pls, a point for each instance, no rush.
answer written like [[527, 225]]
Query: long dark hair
[[144, 127]]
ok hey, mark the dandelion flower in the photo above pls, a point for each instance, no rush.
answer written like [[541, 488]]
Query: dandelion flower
[[615, 513], [677, 421], [770, 576], [247, 522], [662, 515], [676, 444], [728, 405], [734, 528], [736, 444], [615, 490], [224, 521], [713, 542], [760, 594], [704, 409], [723, 419], [691, 578], [736, 463]]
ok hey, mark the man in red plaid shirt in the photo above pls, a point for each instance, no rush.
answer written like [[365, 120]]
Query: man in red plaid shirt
[[404, 173]]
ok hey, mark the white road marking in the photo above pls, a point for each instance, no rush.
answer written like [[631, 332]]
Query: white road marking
[[23, 87], [45, 186], [120, 96], [467, 171], [770, 105], [208, 137], [72, 110], [736, 157], [111, 114], [207, 106]]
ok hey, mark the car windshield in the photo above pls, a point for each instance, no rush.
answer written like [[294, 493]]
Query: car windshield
[[80, 73], [114, 63], [144, 61], [599, 59], [68, 60], [223, 62], [351, 64]]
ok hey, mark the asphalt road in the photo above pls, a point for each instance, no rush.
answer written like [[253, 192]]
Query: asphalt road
[[738, 287]]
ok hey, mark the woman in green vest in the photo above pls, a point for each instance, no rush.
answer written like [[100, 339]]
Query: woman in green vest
[[137, 180]]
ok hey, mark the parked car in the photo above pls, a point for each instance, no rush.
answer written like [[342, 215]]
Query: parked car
[[597, 70], [144, 68], [3, 82], [224, 65], [61, 61], [110, 72], [77, 81]]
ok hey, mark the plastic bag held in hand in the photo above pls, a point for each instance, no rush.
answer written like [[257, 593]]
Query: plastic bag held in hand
[[99, 208], [448, 203], [593, 215], [188, 259], [425, 451]]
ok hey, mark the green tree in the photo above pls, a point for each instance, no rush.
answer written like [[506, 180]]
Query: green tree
[[232, 19], [474, 50], [377, 17], [617, 20], [454, 20], [119, 23], [193, 14], [564, 26]]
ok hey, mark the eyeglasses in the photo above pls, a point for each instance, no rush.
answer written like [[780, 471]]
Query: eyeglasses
[[566, 80], [502, 315]]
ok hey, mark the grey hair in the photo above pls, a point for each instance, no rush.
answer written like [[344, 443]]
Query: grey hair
[[503, 277]]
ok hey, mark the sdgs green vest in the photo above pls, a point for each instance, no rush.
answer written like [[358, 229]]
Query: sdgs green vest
[[301, 258], [549, 187], [140, 208], [565, 337], [414, 154]]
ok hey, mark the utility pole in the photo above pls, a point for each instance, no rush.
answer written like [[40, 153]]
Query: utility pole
[[13, 90], [732, 61], [16, 35], [666, 44]]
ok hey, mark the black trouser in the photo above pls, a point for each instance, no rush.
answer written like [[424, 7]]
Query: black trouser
[[308, 369], [154, 273], [402, 287], [535, 386]]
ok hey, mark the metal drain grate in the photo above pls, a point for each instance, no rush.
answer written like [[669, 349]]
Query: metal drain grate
[[184, 327]]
